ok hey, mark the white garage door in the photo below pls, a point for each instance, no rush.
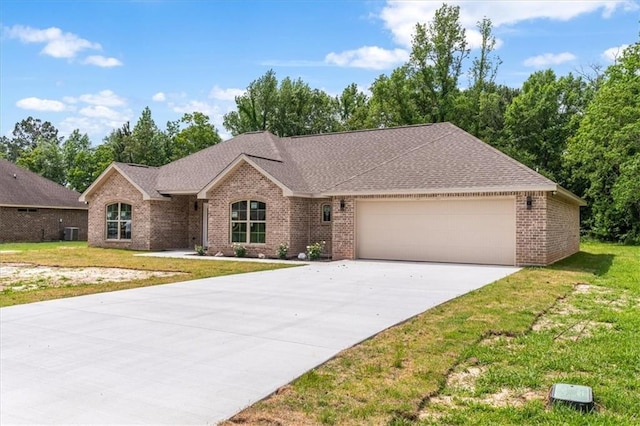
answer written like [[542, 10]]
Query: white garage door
[[459, 231]]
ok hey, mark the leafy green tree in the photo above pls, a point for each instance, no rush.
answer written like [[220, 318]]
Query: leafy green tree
[[483, 103], [542, 118], [438, 50], [352, 108], [4, 146], [604, 155], [198, 134], [25, 137], [392, 102], [78, 160], [256, 107], [102, 157], [145, 144], [46, 160], [117, 142], [291, 108]]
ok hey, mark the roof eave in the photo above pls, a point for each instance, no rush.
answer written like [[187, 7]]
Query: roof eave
[[184, 192], [570, 195], [37, 206], [426, 191]]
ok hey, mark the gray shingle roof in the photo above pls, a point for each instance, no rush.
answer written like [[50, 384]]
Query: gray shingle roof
[[192, 173], [423, 158], [146, 177], [22, 188]]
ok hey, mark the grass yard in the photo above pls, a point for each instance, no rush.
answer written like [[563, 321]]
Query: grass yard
[[489, 357], [78, 255]]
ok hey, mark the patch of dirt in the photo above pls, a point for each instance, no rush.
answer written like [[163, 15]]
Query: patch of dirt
[[22, 276], [465, 379], [572, 322], [504, 398]]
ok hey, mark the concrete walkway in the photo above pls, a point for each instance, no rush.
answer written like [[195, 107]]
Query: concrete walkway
[[197, 352]]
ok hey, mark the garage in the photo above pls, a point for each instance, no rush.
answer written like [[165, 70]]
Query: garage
[[479, 231]]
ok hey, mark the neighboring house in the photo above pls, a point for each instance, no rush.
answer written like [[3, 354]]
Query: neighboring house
[[33, 208], [421, 193]]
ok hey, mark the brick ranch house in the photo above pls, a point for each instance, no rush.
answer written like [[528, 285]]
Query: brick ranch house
[[419, 193], [34, 209]]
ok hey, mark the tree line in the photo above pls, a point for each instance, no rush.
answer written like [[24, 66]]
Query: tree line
[[74, 162], [581, 130]]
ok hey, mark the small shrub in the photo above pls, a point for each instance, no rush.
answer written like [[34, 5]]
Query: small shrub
[[314, 251], [239, 250], [200, 250], [282, 251]]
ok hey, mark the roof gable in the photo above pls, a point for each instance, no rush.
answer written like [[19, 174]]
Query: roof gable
[[23, 188], [239, 161], [143, 178]]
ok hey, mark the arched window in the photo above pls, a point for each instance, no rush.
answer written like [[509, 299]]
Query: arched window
[[248, 222], [119, 221]]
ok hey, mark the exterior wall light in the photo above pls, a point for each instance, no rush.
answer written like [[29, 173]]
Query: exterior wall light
[[342, 205], [529, 202]]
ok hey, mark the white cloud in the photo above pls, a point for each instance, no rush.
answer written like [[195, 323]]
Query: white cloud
[[614, 53], [95, 127], [199, 106], [99, 111], [37, 104], [159, 97], [104, 98], [57, 43], [547, 59], [225, 94], [400, 17], [101, 61], [369, 57]]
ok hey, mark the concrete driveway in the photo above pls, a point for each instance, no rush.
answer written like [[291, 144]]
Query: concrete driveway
[[197, 352]]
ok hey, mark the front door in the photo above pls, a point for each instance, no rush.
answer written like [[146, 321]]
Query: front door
[[205, 224]]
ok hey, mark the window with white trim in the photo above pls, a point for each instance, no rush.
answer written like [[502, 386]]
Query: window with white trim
[[119, 221], [326, 213], [248, 222]]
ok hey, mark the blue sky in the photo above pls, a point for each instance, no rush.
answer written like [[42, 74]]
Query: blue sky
[[94, 65]]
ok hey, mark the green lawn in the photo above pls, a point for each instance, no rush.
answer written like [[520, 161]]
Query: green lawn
[[490, 357], [77, 254]]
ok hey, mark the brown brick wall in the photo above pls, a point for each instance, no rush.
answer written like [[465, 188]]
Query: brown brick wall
[[246, 183], [169, 223], [292, 220], [344, 229], [547, 232], [298, 225], [117, 189], [319, 230], [41, 225], [563, 228], [531, 229]]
